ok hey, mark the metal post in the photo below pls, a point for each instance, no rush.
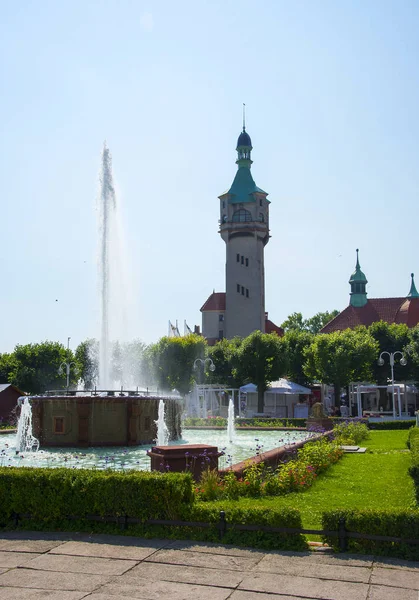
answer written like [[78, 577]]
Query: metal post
[[222, 525]]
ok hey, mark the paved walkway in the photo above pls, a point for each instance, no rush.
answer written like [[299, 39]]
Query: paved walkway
[[58, 566]]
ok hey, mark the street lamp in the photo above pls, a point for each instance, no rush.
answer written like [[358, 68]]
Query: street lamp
[[66, 366], [203, 362], [403, 362]]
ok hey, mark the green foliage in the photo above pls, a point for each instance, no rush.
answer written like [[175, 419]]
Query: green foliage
[[56, 493], [261, 360], [294, 344], [7, 366], [350, 433], [87, 360], [295, 322], [382, 425], [240, 422], [34, 367], [341, 357], [394, 523], [224, 357], [173, 360], [413, 443], [390, 338]]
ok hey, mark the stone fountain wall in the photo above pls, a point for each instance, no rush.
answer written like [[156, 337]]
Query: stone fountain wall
[[101, 420]]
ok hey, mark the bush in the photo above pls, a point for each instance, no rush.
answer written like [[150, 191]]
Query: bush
[[241, 422], [413, 443], [391, 424], [52, 494], [350, 432], [404, 523]]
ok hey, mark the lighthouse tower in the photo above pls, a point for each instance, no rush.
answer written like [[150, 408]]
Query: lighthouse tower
[[244, 226]]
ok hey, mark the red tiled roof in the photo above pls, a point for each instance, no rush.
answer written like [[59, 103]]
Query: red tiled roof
[[217, 301], [270, 327], [390, 310]]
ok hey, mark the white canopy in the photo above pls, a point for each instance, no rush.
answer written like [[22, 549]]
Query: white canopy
[[282, 386]]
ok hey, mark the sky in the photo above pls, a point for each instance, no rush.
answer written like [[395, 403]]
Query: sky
[[332, 95]]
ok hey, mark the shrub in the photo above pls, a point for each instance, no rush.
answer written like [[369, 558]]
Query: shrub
[[350, 432], [413, 443], [403, 523], [52, 494], [391, 424]]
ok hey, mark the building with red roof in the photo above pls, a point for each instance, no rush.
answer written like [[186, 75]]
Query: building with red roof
[[365, 311]]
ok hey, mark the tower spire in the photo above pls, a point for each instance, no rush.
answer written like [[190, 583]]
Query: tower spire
[[413, 293], [244, 117]]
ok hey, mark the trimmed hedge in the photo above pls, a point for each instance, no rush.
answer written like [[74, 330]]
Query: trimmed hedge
[[270, 422], [413, 444], [391, 424], [52, 494], [403, 523]]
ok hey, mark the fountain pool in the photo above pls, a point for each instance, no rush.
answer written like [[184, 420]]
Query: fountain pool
[[246, 444]]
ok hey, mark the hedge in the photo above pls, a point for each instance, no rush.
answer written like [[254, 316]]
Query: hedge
[[413, 444], [402, 523], [391, 424], [53, 494]]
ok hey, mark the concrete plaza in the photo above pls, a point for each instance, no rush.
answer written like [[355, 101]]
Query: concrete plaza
[[60, 566]]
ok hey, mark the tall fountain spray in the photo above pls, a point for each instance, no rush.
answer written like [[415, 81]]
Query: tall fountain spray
[[162, 430], [25, 441], [107, 206], [231, 430]]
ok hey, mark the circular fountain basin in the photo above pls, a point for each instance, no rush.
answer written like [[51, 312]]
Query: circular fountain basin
[[245, 445]]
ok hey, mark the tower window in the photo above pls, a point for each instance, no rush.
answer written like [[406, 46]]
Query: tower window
[[247, 293], [242, 291], [224, 218], [221, 334], [247, 262], [261, 217], [238, 289], [224, 204], [238, 257], [220, 318], [242, 260], [260, 202], [242, 216]]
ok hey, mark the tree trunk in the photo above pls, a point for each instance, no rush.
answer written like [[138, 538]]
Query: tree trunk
[[337, 389], [261, 400]]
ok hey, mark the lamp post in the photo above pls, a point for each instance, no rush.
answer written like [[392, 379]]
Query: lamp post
[[66, 365], [403, 362]]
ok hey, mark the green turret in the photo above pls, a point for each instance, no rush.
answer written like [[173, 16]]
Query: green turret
[[413, 291], [358, 283]]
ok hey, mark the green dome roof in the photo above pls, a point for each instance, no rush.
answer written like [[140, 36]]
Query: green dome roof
[[358, 276], [244, 139]]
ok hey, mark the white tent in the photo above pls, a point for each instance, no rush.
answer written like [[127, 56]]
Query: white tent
[[282, 386]]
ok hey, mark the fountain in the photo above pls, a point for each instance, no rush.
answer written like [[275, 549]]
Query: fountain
[[231, 430], [162, 430], [25, 441]]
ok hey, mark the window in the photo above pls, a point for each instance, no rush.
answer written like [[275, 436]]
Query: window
[[147, 423], [220, 318], [242, 291], [238, 257], [224, 218], [247, 262], [242, 216], [247, 293], [260, 202], [221, 334], [261, 217], [59, 425], [242, 260], [238, 288], [224, 204]]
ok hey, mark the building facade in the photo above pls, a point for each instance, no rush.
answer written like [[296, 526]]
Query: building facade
[[244, 227]]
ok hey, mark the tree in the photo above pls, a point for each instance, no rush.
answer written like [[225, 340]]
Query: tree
[[6, 367], [312, 325], [341, 357], [173, 359], [87, 360], [260, 360], [390, 338], [35, 367], [224, 357], [294, 344], [411, 351]]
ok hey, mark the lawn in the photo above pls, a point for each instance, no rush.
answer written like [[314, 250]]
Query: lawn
[[376, 479]]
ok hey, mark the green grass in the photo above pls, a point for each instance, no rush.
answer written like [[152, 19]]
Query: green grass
[[376, 479]]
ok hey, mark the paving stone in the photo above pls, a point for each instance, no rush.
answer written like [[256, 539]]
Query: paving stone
[[156, 590], [16, 559], [396, 563], [240, 595], [211, 548], [47, 580], [285, 565], [352, 560], [80, 564], [381, 592], [186, 574], [104, 550], [396, 578], [37, 546], [304, 586], [198, 559], [8, 593]]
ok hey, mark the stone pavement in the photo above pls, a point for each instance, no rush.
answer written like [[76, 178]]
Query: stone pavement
[[59, 566]]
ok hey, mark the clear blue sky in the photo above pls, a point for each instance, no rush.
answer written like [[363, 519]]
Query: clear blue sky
[[332, 95]]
